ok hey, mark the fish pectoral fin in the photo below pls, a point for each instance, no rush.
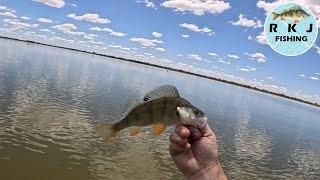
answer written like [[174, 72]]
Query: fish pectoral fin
[[158, 128], [135, 131], [107, 131]]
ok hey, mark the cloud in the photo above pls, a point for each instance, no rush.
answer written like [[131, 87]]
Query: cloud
[[194, 57], [302, 75], [8, 14], [148, 3], [250, 23], [195, 28], [94, 18], [156, 34], [244, 69], [160, 49], [185, 35], [65, 27], [233, 56], [108, 30], [52, 3], [317, 48], [47, 30], [249, 37], [25, 17], [146, 42], [197, 7], [269, 77], [259, 57], [72, 5], [212, 54], [251, 68], [261, 38], [314, 78], [224, 62], [45, 20], [16, 24]]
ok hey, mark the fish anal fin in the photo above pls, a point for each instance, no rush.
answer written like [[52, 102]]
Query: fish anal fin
[[158, 128], [162, 91], [135, 131]]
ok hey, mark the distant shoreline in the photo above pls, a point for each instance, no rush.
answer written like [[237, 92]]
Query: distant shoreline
[[169, 68]]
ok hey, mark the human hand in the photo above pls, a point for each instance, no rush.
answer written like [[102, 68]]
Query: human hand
[[195, 152]]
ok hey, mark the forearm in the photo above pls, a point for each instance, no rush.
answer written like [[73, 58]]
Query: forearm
[[210, 173]]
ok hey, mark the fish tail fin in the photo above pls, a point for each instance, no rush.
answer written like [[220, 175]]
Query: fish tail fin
[[107, 131], [275, 15]]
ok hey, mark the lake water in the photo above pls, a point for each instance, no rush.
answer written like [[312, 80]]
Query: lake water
[[51, 99]]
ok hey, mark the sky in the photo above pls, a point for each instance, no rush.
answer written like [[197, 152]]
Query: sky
[[222, 39]]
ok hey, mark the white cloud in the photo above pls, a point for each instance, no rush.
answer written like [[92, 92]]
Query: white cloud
[[90, 36], [185, 35], [314, 78], [3, 8], [156, 34], [195, 28], [148, 3], [8, 14], [94, 18], [212, 54], [261, 38], [317, 48], [233, 56], [72, 4], [250, 23], [197, 7], [269, 77], [25, 17], [160, 49], [194, 57], [16, 24], [302, 75], [108, 30], [65, 27], [52, 3], [47, 30], [249, 37], [45, 20], [146, 42], [244, 69], [259, 57], [224, 62], [251, 68]]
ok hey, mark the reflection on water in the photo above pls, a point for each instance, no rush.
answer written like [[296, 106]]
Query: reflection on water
[[51, 99]]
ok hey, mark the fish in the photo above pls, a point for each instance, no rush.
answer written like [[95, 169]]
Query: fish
[[295, 13], [160, 107]]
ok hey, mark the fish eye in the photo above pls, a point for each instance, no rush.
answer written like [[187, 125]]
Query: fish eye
[[196, 111]]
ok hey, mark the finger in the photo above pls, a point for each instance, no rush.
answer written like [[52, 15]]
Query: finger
[[195, 133], [182, 131], [175, 149], [174, 138], [207, 132]]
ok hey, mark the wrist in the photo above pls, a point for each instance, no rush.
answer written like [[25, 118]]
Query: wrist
[[214, 172]]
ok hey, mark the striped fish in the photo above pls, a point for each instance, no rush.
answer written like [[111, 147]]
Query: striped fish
[[160, 107]]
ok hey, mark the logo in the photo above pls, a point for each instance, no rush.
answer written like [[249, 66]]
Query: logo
[[291, 29]]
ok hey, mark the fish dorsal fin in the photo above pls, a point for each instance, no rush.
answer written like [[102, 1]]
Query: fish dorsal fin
[[162, 91], [295, 8], [131, 104]]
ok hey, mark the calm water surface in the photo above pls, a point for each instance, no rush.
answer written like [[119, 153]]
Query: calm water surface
[[51, 99]]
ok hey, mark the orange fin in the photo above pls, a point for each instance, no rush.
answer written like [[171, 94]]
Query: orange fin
[[158, 128], [135, 131], [107, 131]]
